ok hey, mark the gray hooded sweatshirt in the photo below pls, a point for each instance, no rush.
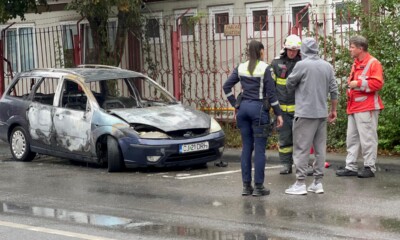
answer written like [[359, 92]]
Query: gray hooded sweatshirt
[[312, 79]]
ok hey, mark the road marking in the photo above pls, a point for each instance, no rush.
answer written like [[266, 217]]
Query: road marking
[[218, 173], [52, 231]]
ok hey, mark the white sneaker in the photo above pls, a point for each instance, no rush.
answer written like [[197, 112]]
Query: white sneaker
[[296, 189], [315, 188]]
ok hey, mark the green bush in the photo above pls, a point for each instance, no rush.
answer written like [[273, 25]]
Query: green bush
[[383, 32], [381, 26]]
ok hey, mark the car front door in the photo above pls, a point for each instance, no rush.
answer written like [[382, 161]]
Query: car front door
[[72, 119]]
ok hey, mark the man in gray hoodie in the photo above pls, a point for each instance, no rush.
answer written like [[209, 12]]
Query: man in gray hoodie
[[312, 80]]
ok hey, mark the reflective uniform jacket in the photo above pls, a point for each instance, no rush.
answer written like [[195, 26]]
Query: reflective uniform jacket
[[369, 75], [258, 86], [282, 67]]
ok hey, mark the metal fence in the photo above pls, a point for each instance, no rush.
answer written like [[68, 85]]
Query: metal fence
[[206, 56], [191, 59]]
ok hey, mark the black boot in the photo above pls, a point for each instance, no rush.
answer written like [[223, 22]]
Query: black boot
[[287, 169], [366, 172], [247, 189], [260, 190]]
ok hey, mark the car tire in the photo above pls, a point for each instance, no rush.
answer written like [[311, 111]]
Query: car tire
[[114, 156], [20, 145]]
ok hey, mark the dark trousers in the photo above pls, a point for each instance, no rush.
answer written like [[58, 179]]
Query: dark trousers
[[286, 139], [253, 122]]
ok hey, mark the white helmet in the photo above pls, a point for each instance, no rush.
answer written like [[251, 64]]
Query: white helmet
[[292, 42]]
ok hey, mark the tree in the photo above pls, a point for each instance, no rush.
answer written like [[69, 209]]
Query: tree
[[382, 29], [97, 12], [10, 9]]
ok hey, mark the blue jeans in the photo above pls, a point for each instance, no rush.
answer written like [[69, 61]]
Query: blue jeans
[[253, 122]]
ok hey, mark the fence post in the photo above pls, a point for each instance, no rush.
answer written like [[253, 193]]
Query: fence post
[[176, 53], [176, 71], [2, 59], [297, 28], [77, 59], [134, 54], [1, 66], [77, 43]]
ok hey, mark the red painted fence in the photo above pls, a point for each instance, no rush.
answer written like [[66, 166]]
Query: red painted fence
[[190, 60]]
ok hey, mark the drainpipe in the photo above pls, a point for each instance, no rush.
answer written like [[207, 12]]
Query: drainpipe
[[77, 44], [176, 64], [2, 79]]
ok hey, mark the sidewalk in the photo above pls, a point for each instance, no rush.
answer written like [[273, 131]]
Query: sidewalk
[[336, 159]]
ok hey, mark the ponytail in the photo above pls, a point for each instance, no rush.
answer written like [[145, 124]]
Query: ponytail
[[254, 55]]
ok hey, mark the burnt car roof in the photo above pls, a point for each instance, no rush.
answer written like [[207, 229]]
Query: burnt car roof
[[88, 74], [97, 74]]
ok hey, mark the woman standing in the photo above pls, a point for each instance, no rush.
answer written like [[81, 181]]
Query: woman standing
[[253, 120]]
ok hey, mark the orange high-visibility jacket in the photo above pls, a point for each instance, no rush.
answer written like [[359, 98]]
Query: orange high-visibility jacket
[[369, 75]]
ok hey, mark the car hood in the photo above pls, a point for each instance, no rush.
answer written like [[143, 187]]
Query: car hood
[[167, 118]]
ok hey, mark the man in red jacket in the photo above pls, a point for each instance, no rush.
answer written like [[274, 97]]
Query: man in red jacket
[[363, 107]]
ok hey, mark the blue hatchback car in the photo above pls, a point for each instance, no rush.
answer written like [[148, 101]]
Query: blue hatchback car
[[104, 115]]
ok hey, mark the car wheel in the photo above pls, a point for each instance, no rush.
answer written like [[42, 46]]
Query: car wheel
[[114, 156], [20, 145]]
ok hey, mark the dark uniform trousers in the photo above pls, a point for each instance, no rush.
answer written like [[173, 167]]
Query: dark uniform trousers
[[286, 138], [254, 122]]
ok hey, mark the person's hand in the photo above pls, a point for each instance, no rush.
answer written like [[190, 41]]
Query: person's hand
[[353, 84], [332, 117], [279, 121]]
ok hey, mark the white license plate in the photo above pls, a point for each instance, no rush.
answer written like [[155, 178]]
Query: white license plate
[[193, 147]]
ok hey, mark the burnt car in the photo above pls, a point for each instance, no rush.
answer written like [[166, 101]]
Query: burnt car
[[106, 115]]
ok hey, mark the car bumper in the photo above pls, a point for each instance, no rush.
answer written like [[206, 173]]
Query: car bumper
[[136, 155]]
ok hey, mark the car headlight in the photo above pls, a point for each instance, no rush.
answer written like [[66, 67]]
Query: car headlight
[[215, 127], [153, 135]]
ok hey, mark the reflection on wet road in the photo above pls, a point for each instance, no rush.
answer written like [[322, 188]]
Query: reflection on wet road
[[147, 227], [200, 203], [125, 223]]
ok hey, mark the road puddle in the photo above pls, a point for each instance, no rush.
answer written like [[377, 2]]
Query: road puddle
[[144, 227], [65, 215]]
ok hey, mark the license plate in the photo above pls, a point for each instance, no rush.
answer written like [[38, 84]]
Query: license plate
[[193, 147]]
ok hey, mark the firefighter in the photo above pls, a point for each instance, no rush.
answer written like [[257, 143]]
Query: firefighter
[[283, 66], [258, 95]]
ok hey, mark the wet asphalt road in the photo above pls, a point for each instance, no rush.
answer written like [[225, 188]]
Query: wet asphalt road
[[51, 198]]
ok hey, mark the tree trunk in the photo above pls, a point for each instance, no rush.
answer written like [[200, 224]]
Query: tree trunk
[[121, 36], [99, 54]]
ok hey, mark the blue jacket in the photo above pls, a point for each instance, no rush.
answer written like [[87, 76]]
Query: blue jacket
[[258, 86]]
